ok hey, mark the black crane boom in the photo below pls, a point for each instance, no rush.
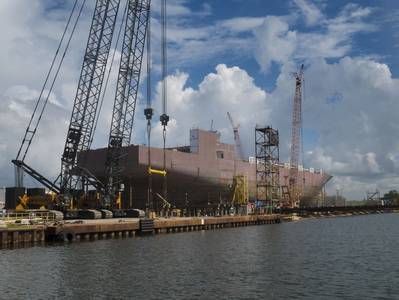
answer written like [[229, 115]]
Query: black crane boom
[[84, 111], [127, 89]]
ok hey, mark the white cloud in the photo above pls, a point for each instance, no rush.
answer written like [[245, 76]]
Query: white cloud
[[180, 9], [15, 112], [275, 42], [31, 32], [242, 24], [355, 131], [228, 89], [332, 37], [310, 11]]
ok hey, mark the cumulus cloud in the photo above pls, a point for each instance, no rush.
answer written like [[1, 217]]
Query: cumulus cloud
[[31, 31], [331, 38], [354, 132], [361, 135], [275, 42], [15, 111], [227, 89]]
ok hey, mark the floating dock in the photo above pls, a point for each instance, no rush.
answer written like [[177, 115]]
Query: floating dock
[[75, 230]]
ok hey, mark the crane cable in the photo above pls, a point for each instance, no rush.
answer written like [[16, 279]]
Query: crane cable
[[109, 73], [33, 132], [164, 118], [148, 112]]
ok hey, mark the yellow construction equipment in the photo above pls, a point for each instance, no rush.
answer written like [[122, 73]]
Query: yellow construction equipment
[[119, 200], [166, 203], [23, 203], [34, 202], [155, 171], [240, 190]]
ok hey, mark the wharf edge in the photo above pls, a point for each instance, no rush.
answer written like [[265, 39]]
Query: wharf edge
[[75, 230]]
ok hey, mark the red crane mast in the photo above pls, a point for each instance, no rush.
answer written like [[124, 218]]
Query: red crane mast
[[296, 138]]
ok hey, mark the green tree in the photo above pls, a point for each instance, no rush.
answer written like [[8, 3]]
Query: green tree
[[392, 197]]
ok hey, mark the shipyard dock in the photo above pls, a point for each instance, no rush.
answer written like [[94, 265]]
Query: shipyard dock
[[79, 230]]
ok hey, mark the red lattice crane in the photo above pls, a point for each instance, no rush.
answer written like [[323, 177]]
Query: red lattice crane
[[296, 138]]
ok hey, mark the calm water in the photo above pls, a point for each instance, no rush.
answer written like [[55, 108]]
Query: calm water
[[351, 258]]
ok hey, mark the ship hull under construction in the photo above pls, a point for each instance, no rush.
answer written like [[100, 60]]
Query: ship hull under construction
[[199, 176]]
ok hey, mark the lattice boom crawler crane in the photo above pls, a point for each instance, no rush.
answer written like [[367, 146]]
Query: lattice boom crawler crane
[[75, 179]]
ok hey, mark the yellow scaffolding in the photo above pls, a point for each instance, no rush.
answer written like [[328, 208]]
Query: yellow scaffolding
[[241, 193]]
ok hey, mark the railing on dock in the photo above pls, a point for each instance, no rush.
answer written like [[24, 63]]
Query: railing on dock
[[33, 217]]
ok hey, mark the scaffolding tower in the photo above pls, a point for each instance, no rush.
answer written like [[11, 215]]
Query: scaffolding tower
[[267, 169]]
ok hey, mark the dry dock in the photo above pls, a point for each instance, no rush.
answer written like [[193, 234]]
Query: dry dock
[[75, 230]]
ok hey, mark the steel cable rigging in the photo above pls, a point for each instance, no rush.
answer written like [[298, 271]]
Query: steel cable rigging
[[164, 118], [27, 140], [148, 112], [30, 132]]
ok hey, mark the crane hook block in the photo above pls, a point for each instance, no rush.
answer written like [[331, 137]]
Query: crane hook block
[[148, 112], [164, 118]]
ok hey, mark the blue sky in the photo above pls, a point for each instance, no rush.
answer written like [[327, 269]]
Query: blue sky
[[382, 43], [235, 56]]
